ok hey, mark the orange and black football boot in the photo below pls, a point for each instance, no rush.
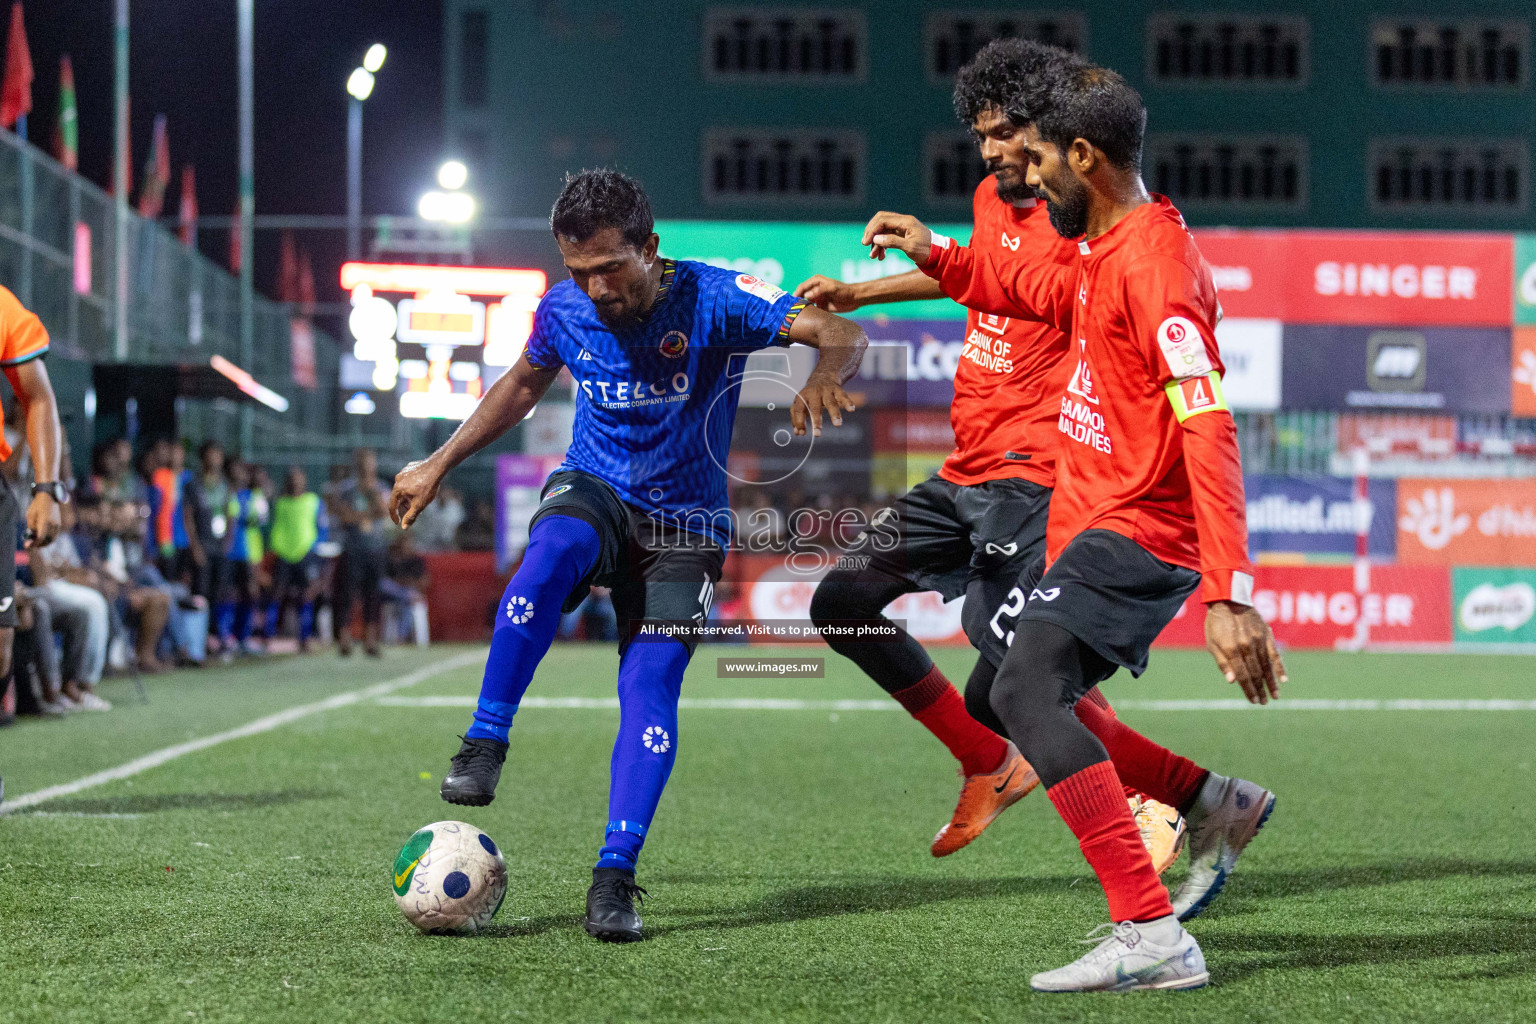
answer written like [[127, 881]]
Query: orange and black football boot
[[983, 798]]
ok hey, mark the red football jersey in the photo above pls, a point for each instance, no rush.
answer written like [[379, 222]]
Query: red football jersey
[[1139, 457], [1011, 370]]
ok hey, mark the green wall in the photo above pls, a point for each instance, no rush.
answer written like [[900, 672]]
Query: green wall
[[575, 84]]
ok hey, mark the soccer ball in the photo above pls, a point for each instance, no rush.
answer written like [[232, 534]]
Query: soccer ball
[[449, 877]]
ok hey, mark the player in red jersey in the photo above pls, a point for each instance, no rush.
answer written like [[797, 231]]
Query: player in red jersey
[[1148, 507], [977, 524]]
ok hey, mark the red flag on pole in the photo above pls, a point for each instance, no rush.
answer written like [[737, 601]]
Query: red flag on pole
[[157, 173], [16, 90], [187, 213], [66, 134]]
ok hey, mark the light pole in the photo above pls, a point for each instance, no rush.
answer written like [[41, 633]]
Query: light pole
[[120, 182], [246, 33], [359, 87]]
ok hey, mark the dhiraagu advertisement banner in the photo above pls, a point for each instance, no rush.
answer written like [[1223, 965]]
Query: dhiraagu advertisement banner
[[1495, 605], [784, 254]]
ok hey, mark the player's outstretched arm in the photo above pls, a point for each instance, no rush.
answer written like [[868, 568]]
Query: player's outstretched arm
[[1025, 290], [510, 399], [846, 296], [40, 411], [840, 345]]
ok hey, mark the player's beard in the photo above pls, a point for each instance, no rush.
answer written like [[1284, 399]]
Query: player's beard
[[1069, 210], [1014, 191], [617, 320]]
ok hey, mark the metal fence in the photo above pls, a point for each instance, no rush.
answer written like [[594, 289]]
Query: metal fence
[[58, 254]]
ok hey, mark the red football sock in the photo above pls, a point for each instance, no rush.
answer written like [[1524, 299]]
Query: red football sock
[[1091, 804], [934, 701], [1141, 764]]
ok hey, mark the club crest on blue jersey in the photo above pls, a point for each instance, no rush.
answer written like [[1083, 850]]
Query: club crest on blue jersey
[[674, 345]]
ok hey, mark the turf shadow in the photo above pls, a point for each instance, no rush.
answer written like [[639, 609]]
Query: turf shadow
[[1246, 953], [1252, 888], [185, 802], [808, 902], [523, 929]]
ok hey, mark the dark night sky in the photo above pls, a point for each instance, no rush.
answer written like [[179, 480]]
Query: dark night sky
[[182, 64]]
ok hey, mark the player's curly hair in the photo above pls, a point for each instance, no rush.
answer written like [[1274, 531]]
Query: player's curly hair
[[1066, 97], [598, 199], [998, 75]]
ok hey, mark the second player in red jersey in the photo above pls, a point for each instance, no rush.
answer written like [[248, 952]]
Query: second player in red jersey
[[1149, 490], [974, 526]]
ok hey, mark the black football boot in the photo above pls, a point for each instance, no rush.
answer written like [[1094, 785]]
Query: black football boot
[[475, 770], [611, 906]]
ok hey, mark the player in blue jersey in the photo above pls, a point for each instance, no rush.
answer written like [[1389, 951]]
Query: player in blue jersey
[[656, 348]]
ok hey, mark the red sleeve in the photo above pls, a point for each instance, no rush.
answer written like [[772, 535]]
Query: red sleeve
[[1041, 292], [1171, 311]]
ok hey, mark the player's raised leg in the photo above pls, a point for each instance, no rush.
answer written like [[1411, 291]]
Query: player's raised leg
[[561, 551], [994, 776], [1046, 671]]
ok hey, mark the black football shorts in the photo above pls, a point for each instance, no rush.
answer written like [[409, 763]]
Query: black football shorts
[[1105, 589], [658, 573]]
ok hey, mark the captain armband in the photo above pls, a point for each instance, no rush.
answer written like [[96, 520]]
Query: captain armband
[[1195, 395]]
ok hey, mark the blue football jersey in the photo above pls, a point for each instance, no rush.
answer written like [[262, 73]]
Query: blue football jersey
[[655, 403]]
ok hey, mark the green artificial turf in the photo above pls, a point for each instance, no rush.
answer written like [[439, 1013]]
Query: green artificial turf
[[788, 866]]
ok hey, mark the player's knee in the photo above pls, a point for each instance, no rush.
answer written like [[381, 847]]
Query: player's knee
[[834, 597], [560, 541], [854, 594], [978, 696], [7, 640]]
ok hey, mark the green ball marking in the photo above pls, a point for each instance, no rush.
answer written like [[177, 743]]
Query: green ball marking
[[410, 854]]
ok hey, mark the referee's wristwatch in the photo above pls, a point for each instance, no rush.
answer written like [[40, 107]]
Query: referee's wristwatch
[[54, 489]]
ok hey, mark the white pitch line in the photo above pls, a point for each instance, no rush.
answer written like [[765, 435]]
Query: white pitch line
[[156, 758], [686, 703], [791, 704]]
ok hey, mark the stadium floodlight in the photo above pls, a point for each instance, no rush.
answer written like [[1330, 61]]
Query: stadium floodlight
[[452, 175], [374, 58], [360, 404], [360, 83], [447, 207]]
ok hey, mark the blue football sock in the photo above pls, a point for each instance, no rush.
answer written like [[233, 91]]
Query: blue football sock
[[243, 621], [224, 618], [274, 614], [561, 550], [306, 620], [650, 681]]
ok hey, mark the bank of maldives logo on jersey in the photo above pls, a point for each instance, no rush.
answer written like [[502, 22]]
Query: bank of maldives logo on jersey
[[673, 345], [1183, 348]]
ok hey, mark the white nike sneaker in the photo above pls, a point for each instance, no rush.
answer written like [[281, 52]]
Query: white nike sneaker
[[1131, 958], [1226, 815], [88, 701]]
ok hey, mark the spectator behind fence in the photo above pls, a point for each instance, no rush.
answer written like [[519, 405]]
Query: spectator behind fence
[[244, 549], [406, 581], [360, 508], [478, 532], [205, 521], [439, 522], [145, 609], [298, 525], [80, 614]]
